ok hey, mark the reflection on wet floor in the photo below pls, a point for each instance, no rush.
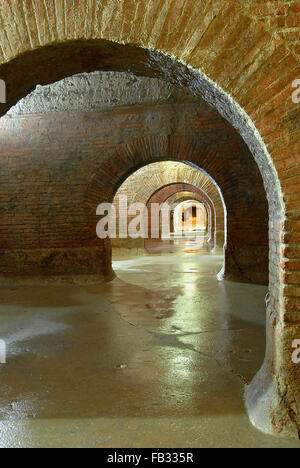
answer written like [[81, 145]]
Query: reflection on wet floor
[[193, 242], [157, 358]]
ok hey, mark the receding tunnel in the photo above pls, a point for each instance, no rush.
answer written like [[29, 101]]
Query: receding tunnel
[[179, 216], [135, 249]]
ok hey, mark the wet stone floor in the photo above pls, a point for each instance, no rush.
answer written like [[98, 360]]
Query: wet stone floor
[[157, 358]]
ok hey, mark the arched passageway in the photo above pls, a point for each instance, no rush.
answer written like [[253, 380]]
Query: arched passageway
[[242, 262], [213, 240], [253, 96], [190, 216], [214, 201], [154, 184]]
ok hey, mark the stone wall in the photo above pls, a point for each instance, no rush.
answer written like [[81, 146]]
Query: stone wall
[[56, 169], [242, 62]]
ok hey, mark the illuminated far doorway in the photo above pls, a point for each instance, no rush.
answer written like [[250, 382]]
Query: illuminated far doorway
[[190, 226], [190, 217]]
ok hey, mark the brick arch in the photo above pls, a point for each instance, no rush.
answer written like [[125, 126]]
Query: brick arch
[[249, 84], [156, 177], [186, 207], [211, 231], [179, 197], [153, 149], [215, 207], [182, 197], [241, 221]]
